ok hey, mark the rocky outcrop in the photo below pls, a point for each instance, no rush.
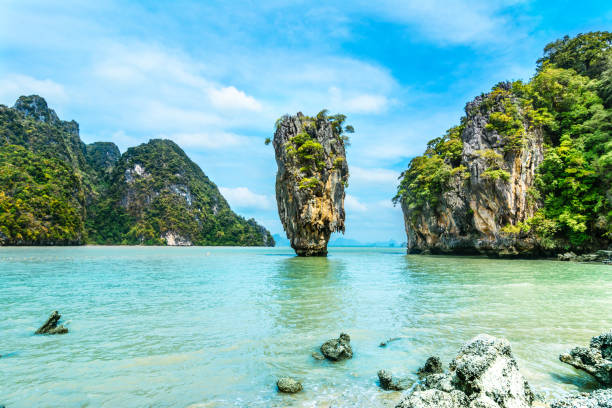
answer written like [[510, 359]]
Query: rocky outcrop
[[433, 365], [488, 191], [483, 375], [595, 359], [312, 175], [288, 385], [596, 399], [338, 349], [51, 325], [390, 383]]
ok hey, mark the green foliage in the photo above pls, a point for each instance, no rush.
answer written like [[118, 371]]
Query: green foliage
[[41, 200], [47, 174], [156, 190], [569, 100], [584, 53]]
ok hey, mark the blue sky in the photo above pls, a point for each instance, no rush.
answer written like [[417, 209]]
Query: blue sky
[[214, 77]]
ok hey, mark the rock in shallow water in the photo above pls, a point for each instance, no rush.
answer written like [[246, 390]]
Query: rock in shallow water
[[312, 175], [483, 375], [595, 359], [338, 349], [433, 365], [387, 382], [288, 385], [51, 325]]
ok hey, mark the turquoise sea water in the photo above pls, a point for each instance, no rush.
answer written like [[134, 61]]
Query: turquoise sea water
[[215, 327]]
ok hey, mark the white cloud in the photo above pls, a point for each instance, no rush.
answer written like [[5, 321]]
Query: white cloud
[[242, 197], [216, 140], [231, 98], [451, 21], [14, 85], [373, 175], [353, 204]]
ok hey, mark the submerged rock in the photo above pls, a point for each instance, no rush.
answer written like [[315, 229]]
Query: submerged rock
[[51, 325], [318, 356], [384, 343], [597, 399], [389, 383], [338, 349], [289, 385], [483, 375], [312, 175], [433, 365], [595, 359]]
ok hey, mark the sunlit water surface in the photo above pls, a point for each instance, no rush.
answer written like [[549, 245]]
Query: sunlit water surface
[[215, 327]]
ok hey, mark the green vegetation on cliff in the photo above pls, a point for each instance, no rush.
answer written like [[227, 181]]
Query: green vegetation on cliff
[[55, 190], [155, 190], [570, 101]]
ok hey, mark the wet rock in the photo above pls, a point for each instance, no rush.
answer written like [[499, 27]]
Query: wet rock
[[288, 385], [51, 325], [433, 365], [318, 356], [597, 399], [389, 383], [312, 175], [483, 375], [568, 256], [338, 349], [595, 359]]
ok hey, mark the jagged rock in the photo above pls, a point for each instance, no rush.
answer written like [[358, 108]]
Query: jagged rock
[[595, 359], [312, 175], [389, 383], [51, 325], [433, 365], [318, 356], [338, 349], [568, 256], [483, 375], [288, 385], [488, 188], [597, 399]]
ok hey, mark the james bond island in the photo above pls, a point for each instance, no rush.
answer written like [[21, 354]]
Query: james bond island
[[312, 175]]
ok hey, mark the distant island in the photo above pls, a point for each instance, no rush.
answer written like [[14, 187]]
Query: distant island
[[57, 190], [528, 170]]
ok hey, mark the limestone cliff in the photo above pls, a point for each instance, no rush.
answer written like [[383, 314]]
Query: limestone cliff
[[312, 175], [488, 170]]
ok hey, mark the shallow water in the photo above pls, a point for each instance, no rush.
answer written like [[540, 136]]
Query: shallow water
[[215, 327]]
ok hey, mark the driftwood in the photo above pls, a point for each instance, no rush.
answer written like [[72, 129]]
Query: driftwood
[[51, 326]]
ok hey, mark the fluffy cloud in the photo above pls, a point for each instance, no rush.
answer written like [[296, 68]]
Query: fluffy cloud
[[353, 204], [373, 175], [14, 85], [242, 197], [231, 98]]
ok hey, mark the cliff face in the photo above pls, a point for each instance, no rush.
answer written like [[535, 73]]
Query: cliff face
[[312, 175], [159, 196], [56, 190], [490, 190]]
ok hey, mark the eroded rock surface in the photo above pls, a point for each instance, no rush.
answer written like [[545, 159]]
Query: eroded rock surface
[[489, 187], [338, 349], [51, 325], [595, 359], [288, 385], [597, 399], [483, 375], [433, 365], [312, 175]]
